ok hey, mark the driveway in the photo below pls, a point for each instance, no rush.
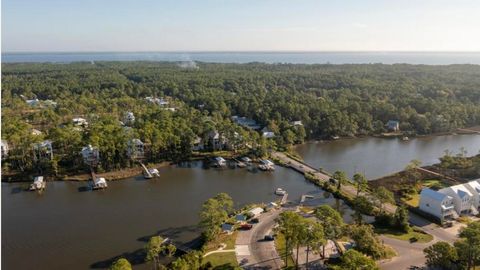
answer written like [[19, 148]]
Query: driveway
[[254, 253]]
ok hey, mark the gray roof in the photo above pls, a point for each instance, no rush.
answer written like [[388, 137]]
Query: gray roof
[[433, 194]]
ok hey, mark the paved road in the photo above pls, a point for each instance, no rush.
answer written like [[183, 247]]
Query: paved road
[[409, 254], [254, 253]]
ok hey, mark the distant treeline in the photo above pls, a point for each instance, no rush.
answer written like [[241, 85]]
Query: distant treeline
[[329, 100]]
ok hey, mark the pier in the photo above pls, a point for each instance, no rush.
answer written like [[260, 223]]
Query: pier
[[146, 172]]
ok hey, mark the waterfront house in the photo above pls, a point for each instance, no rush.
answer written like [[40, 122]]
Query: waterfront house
[[135, 149], [129, 118], [4, 148], [216, 141], [90, 154], [437, 204], [256, 211], [474, 188], [393, 125], [240, 218], [462, 198], [79, 122], [43, 150]]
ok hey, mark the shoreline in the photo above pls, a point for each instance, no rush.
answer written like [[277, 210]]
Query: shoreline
[[137, 170]]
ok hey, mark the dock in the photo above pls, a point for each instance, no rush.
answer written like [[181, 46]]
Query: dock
[[284, 199], [146, 172]]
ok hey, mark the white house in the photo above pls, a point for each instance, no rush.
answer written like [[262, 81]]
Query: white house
[[297, 123], [36, 132], [90, 154], [158, 101], [437, 204], [135, 149], [462, 198], [4, 149], [474, 188]]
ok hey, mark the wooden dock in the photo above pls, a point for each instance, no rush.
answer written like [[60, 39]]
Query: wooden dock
[[146, 172], [284, 199]]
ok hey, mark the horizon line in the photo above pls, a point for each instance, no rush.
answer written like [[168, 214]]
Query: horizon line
[[244, 51]]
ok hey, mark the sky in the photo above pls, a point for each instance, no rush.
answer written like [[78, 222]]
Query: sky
[[240, 25]]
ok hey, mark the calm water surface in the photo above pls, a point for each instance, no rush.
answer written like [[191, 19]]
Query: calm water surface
[[377, 157], [68, 228]]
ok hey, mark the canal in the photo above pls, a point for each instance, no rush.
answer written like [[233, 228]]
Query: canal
[[377, 157], [68, 227]]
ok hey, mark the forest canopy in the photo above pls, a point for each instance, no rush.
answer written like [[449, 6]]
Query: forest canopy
[[329, 100]]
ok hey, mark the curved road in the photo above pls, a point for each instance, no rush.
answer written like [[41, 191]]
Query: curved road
[[254, 253]]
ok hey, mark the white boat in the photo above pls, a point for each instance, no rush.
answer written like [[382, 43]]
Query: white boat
[[219, 162], [246, 159], [266, 165], [154, 172], [241, 165], [280, 191], [405, 138], [38, 184], [99, 183]]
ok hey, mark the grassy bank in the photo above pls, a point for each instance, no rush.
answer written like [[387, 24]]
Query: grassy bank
[[413, 233]]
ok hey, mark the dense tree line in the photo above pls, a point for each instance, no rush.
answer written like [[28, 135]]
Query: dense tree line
[[330, 100]]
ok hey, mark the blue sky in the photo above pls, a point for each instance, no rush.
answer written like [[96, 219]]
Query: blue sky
[[240, 25]]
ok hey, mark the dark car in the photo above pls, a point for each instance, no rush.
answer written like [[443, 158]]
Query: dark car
[[269, 237], [246, 226], [254, 220], [413, 239]]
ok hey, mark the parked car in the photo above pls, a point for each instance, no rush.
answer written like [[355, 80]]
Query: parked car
[[246, 226], [448, 224], [254, 220], [413, 239], [269, 237]]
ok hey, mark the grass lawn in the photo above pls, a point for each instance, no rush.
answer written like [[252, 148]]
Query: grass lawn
[[414, 201], [228, 239], [281, 249], [225, 260], [421, 236], [434, 183]]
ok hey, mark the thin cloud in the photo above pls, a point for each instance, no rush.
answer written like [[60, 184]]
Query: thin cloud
[[359, 25]]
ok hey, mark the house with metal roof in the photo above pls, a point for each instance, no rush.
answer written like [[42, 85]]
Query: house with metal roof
[[437, 204], [474, 188], [462, 198]]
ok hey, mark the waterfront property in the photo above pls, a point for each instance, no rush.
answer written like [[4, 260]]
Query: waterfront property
[[198, 144], [462, 199], [451, 202], [90, 154], [136, 149], [246, 122], [43, 150], [437, 204], [393, 125]]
